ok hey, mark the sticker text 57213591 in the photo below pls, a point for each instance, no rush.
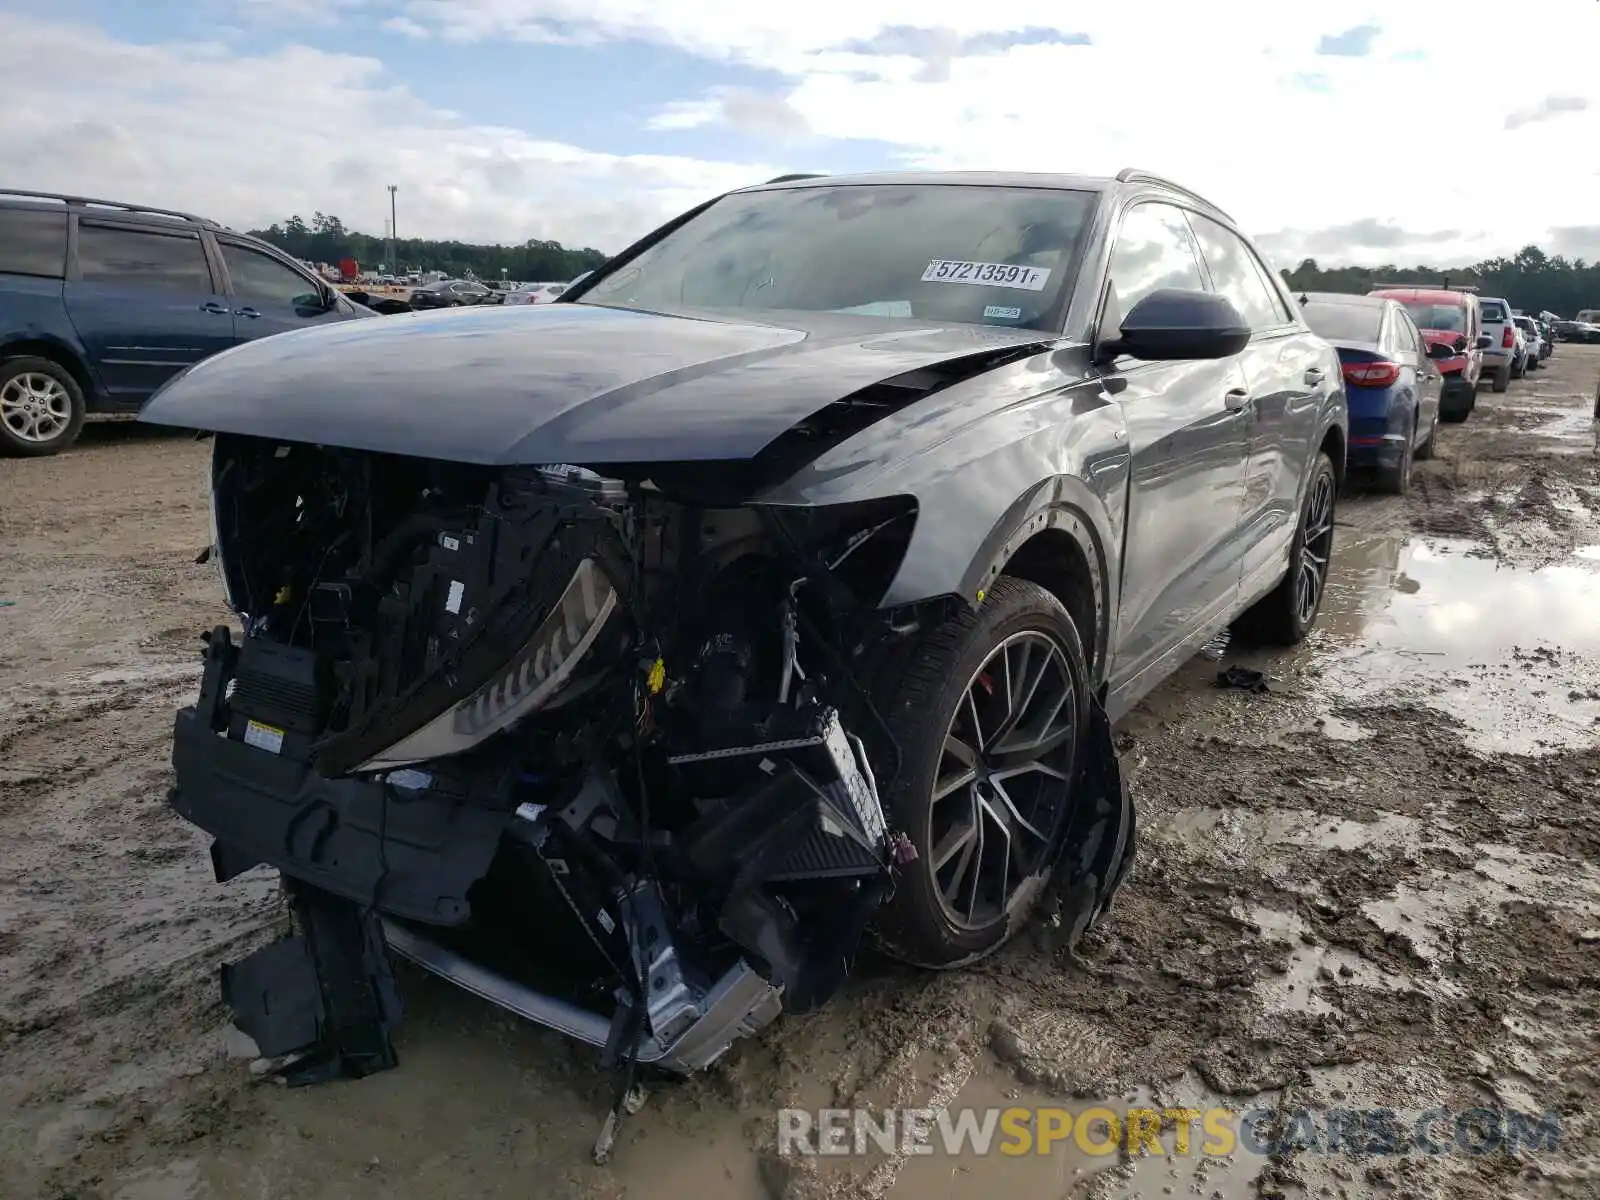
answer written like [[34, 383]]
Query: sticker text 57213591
[[1009, 275]]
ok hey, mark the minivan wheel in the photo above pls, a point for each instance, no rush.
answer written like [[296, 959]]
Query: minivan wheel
[[1285, 615], [988, 712], [41, 407]]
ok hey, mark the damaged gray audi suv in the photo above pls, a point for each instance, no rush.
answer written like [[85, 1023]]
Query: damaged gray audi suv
[[628, 659]]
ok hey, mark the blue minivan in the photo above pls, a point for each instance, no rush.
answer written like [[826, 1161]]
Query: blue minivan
[[102, 302]]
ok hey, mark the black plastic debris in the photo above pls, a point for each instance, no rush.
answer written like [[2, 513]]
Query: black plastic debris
[[1244, 679], [1103, 833], [324, 999]]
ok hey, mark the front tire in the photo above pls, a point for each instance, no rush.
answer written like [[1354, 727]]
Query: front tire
[[988, 713], [41, 407], [1286, 614]]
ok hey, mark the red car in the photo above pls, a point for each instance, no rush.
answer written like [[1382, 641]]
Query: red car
[[1452, 317]]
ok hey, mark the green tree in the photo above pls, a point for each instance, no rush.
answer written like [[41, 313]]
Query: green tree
[[328, 239]]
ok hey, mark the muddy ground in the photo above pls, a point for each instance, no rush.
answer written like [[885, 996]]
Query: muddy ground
[[1376, 885]]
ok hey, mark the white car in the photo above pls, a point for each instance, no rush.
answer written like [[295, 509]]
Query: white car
[[1535, 343], [1503, 358], [535, 293]]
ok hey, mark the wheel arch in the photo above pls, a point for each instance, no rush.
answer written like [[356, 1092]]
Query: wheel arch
[[1048, 540], [57, 352]]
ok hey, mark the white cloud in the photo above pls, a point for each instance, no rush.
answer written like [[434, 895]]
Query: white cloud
[[1402, 153], [1235, 102], [250, 139]]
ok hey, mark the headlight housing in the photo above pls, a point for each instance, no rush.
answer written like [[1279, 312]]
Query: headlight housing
[[538, 676]]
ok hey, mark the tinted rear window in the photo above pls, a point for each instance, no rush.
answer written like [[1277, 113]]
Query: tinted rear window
[[33, 243], [138, 258], [1493, 311], [1344, 322], [1446, 317]]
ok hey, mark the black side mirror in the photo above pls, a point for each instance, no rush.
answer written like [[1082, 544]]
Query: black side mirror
[[1446, 349], [1173, 324], [1483, 343]]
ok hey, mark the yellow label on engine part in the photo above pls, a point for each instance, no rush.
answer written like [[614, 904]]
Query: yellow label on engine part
[[657, 678]]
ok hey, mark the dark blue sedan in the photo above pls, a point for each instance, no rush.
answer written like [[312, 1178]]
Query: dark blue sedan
[[1390, 381]]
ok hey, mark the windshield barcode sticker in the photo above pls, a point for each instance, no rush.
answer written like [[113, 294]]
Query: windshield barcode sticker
[[1009, 275]]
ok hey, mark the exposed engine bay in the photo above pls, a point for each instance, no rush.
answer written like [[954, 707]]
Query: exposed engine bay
[[603, 757]]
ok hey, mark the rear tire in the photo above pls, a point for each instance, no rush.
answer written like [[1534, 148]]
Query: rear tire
[[1396, 481], [1518, 370], [961, 674], [1429, 447], [41, 407], [1285, 615], [1502, 380]]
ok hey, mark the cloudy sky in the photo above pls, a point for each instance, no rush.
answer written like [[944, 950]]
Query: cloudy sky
[[1398, 132]]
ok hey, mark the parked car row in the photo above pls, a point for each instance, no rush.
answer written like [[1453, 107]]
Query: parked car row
[[1413, 356]]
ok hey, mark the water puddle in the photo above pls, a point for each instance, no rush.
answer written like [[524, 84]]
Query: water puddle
[[1428, 915], [1513, 653], [1233, 832]]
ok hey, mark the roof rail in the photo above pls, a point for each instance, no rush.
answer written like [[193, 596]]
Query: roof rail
[[87, 201], [1446, 286], [798, 175], [1136, 175]]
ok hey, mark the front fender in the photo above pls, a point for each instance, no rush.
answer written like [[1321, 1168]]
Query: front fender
[[1034, 446]]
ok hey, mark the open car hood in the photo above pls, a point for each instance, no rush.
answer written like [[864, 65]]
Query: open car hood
[[561, 382]]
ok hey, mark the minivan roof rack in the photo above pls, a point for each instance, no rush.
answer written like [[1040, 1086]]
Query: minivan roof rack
[[89, 201], [1446, 286], [1137, 175], [798, 175]]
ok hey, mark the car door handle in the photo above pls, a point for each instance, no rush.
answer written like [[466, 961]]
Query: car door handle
[[1236, 400], [1314, 376], [215, 309], [246, 312]]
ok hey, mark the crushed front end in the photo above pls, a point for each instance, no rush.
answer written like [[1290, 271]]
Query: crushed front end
[[582, 749]]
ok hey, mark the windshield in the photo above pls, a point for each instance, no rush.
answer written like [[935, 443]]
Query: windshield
[[1344, 322], [970, 254], [1527, 326], [1447, 318]]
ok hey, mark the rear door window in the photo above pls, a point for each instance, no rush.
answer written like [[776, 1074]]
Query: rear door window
[[1492, 312], [33, 243], [142, 258], [1238, 275]]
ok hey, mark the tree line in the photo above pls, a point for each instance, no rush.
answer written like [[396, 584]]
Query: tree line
[[1531, 280], [325, 239]]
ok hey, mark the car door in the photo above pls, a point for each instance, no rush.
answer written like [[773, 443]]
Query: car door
[[1187, 444], [144, 303], [1286, 379], [268, 295], [1410, 351]]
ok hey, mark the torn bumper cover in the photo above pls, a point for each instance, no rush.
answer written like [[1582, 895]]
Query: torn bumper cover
[[376, 868]]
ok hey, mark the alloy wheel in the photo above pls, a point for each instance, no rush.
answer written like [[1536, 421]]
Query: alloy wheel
[[35, 407], [1004, 784], [1316, 548]]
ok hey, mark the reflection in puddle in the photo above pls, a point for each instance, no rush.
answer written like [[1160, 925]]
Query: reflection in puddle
[[1512, 653]]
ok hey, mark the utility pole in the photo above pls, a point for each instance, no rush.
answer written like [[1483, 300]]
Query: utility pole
[[394, 263]]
